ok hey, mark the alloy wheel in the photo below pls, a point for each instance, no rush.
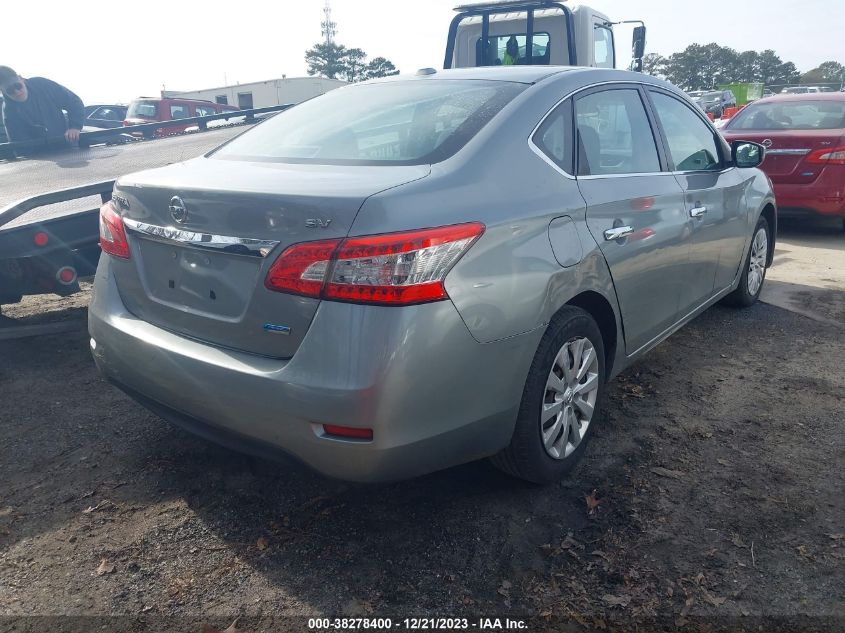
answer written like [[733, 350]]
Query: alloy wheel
[[757, 261], [570, 397]]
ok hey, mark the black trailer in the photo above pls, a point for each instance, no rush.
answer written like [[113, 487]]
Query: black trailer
[[50, 197]]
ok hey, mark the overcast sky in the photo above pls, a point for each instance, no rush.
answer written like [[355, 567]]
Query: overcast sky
[[116, 54]]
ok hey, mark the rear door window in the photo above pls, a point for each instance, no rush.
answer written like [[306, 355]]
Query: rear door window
[[614, 134], [205, 110], [692, 143]]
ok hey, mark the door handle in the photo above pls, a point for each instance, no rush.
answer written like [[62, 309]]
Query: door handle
[[697, 212], [618, 233]]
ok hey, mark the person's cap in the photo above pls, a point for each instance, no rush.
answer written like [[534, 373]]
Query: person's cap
[[7, 75]]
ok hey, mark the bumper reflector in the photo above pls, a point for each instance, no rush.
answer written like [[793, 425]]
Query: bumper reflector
[[350, 432]]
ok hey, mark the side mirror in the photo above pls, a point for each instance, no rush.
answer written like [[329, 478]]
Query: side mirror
[[638, 44], [746, 154]]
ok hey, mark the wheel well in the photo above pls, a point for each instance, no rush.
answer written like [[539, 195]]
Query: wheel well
[[771, 217], [600, 309]]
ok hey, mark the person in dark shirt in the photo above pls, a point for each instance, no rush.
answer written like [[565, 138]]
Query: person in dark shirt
[[32, 108]]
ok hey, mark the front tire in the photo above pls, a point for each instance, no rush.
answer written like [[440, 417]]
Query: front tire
[[754, 270], [560, 402]]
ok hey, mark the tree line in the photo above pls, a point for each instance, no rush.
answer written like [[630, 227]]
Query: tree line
[[335, 61], [701, 67]]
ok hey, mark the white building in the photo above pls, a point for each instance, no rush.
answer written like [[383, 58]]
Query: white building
[[262, 94]]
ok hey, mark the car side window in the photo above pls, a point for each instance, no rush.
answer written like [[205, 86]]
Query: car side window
[[614, 134], [554, 137], [205, 111], [692, 143], [179, 111]]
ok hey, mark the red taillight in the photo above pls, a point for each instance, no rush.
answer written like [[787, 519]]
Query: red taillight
[[112, 233], [348, 431], [301, 268], [41, 239], [393, 269], [834, 156]]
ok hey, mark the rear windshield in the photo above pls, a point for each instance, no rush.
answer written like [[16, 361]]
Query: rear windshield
[[793, 115], [143, 109], [392, 123]]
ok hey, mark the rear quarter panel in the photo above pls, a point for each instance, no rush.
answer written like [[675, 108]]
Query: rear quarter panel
[[510, 281]]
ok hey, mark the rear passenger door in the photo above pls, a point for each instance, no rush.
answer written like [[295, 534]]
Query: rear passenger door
[[713, 198], [635, 207]]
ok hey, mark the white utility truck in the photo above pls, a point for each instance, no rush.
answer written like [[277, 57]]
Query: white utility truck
[[536, 32]]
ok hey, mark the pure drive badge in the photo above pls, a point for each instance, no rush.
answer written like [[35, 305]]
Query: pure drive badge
[[272, 328]]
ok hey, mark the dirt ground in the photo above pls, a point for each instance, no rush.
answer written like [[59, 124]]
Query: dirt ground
[[711, 498]]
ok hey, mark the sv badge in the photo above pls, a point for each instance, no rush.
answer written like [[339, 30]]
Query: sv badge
[[317, 223]]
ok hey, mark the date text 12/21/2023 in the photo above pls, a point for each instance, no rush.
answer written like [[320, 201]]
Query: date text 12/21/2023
[[416, 624]]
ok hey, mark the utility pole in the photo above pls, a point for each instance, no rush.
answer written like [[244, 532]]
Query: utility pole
[[328, 28]]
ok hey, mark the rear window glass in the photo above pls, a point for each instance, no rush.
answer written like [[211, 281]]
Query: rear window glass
[[791, 115], [146, 109], [511, 50], [398, 123]]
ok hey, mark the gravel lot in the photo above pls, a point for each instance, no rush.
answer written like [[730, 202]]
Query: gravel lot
[[710, 499]]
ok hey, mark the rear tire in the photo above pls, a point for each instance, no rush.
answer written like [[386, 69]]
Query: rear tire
[[560, 401], [753, 274]]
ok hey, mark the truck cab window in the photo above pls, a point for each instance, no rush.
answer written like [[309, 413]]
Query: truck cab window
[[603, 52]]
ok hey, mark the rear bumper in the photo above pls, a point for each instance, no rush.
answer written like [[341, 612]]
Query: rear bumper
[[432, 394], [826, 196]]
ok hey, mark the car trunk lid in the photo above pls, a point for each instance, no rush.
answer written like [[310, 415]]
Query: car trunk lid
[[204, 233], [788, 151]]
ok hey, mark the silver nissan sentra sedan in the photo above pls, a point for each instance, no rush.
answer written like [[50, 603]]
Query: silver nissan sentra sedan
[[411, 273]]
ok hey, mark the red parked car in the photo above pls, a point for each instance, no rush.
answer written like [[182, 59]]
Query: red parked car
[[804, 136], [151, 110]]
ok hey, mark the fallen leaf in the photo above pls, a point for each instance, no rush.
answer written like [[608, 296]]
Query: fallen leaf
[[106, 567], [601, 554], [100, 506], [836, 537], [670, 591], [687, 606], [207, 628], [723, 462], [714, 600], [262, 543], [665, 472], [592, 501], [616, 601], [802, 551], [736, 539]]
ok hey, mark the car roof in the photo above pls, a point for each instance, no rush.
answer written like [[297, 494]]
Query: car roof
[[806, 96], [518, 74], [527, 75]]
